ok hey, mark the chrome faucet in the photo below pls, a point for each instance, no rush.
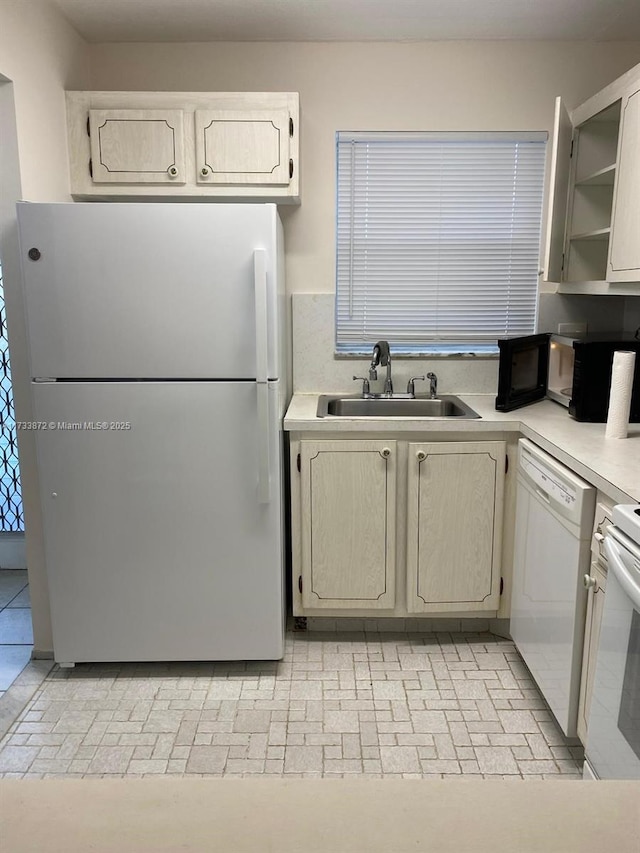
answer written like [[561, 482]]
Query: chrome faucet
[[375, 361], [433, 385], [365, 386], [411, 385], [382, 356]]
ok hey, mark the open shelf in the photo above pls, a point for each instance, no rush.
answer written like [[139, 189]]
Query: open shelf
[[598, 288], [597, 147], [601, 178], [596, 234]]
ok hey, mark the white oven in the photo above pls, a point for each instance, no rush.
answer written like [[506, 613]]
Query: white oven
[[613, 737]]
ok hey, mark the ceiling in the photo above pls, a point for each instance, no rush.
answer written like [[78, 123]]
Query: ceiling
[[351, 20]]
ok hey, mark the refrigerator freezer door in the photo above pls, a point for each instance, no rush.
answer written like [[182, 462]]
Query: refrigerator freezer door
[[151, 291], [158, 544]]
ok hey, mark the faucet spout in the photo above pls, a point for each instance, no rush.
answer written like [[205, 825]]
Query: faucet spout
[[382, 356], [375, 361], [433, 385]]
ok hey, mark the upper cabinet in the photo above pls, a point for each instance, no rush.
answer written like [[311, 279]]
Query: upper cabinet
[[229, 145], [593, 225]]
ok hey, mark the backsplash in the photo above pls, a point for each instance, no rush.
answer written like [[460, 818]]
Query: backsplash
[[600, 313], [316, 369]]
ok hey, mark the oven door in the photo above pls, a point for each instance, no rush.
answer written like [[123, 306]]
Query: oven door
[[613, 737]]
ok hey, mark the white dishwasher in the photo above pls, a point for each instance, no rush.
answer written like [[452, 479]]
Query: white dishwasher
[[554, 517]]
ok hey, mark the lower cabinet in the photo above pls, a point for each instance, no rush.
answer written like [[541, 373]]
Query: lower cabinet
[[596, 582], [375, 519], [348, 512], [454, 526]]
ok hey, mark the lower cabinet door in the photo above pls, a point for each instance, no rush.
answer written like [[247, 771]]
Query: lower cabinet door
[[348, 503], [454, 526], [595, 603]]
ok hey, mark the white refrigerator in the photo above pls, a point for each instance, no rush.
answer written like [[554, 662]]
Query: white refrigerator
[[158, 360]]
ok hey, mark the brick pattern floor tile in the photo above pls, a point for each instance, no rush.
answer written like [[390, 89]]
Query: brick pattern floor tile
[[377, 704]]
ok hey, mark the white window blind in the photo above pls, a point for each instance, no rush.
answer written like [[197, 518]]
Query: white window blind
[[438, 238]]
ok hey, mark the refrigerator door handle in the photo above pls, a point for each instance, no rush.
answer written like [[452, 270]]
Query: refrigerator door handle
[[262, 318], [264, 444]]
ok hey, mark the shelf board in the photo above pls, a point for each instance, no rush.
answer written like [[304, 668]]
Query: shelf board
[[598, 288], [602, 178], [597, 234]]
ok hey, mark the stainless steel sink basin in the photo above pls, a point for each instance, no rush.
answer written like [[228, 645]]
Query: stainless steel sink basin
[[445, 406]]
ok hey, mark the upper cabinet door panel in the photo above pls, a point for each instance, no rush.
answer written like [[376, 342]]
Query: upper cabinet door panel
[[558, 193], [137, 146], [624, 249], [242, 147]]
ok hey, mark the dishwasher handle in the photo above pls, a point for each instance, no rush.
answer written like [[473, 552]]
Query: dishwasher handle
[[543, 495]]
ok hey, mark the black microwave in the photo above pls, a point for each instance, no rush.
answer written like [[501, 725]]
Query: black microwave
[[575, 372]]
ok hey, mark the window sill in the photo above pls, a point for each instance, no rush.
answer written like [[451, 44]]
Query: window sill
[[396, 353]]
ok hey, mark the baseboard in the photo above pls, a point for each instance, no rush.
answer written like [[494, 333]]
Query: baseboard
[[500, 627], [399, 625], [42, 654]]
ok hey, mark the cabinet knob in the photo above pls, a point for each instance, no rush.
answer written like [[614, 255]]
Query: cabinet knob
[[598, 536], [590, 583], [204, 171], [54, 494], [421, 456], [386, 452], [173, 171]]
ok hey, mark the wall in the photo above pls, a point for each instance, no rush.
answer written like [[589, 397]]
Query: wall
[[40, 57], [409, 86]]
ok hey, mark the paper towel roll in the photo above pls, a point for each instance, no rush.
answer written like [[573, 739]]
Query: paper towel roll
[[620, 395]]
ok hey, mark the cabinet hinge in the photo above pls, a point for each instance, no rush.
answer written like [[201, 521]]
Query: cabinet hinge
[[501, 585], [290, 169], [506, 464], [562, 264], [571, 151], [290, 126], [90, 167], [298, 463], [300, 583], [88, 126]]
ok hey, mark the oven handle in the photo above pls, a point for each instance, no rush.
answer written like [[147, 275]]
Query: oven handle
[[614, 550]]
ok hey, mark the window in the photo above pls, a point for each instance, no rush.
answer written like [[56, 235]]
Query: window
[[11, 517], [438, 239]]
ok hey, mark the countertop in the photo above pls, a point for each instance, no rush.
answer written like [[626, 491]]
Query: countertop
[[612, 465], [315, 815]]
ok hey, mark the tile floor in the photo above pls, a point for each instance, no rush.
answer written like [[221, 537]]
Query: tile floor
[[16, 634], [381, 704]]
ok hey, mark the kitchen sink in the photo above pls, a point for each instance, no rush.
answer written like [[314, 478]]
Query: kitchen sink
[[445, 406]]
